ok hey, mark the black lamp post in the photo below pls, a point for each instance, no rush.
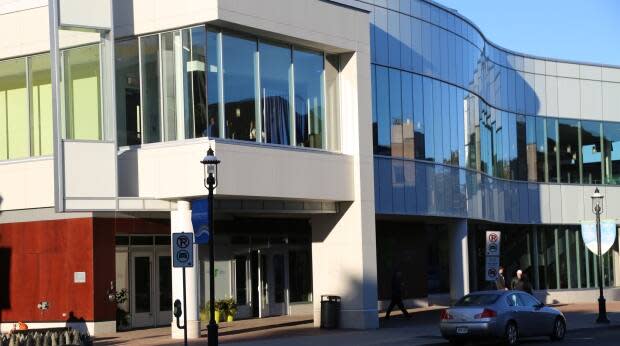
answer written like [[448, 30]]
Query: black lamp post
[[210, 163], [597, 209]]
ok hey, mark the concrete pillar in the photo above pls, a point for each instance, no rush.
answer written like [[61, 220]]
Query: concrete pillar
[[181, 221], [344, 259], [459, 260]]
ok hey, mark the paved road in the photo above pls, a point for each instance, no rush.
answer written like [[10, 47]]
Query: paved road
[[397, 337]]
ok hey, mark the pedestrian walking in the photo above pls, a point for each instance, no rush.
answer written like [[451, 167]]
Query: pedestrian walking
[[397, 295], [500, 282]]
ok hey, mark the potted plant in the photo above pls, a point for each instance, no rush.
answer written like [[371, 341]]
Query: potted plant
[[231, 309], [220, 310], [122, 320]]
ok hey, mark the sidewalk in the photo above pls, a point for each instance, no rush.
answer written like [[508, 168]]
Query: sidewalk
[[421, 329]]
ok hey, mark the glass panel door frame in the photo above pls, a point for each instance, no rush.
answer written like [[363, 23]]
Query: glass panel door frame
[[163, 317], [141, 319]]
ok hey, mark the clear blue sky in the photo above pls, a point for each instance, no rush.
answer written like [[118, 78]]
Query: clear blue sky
[[582, 30]]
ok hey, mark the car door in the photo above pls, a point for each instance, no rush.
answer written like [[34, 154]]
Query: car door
[[518, 312], [540, 320]]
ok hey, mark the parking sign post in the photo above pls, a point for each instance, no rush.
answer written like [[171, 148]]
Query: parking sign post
[[493, 239], [183, 257]]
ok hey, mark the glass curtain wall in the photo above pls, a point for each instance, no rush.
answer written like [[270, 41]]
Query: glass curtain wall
[[612, 152], [552, 257], [591, 152]]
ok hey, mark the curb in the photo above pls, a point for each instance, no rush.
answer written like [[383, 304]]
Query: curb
[[609, 326]]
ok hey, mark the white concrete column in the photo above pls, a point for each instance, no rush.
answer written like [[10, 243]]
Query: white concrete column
[[181, 221], [459, 260], [344, 259]]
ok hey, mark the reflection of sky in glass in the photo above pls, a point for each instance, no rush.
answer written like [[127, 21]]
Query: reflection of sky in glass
[[615, 151], [589, 155]]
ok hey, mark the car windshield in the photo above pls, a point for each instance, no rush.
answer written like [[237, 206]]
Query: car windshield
[[477, 300]]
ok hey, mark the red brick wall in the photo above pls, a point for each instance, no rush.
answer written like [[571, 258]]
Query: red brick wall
[[43, 257]]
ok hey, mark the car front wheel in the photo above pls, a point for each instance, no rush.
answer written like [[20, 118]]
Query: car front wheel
[[511, 335], [559, 329]]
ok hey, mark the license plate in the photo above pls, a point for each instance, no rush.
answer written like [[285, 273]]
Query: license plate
[[462, 330]]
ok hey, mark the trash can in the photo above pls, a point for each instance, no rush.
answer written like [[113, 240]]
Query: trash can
[[330, 311]]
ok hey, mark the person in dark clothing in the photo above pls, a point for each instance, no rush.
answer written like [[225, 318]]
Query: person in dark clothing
[[397, 295], [500, 282], [521, 283]]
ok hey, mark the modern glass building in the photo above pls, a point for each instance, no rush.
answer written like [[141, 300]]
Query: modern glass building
[[357, 138]]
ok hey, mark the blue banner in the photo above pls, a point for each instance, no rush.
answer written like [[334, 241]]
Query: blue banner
[[200, 221]]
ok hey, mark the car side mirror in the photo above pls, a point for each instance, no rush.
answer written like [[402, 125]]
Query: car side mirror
[[539, 305]]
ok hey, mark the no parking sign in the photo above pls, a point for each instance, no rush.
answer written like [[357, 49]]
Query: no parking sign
[[182, 250], [493, 239]]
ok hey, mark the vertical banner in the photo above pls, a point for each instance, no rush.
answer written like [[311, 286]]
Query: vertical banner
[[493, 240], [608, 235], [200, 221]]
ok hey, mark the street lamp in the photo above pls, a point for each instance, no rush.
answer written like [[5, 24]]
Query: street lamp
[[210, 163], [597, 209]]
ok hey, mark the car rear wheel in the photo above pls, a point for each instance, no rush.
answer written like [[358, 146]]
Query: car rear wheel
[[511, 335], [559, 329]]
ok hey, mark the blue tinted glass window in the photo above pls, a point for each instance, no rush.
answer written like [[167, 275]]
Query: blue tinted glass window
[[418, 117], [275, 65], [239, 99], [541, 148], [462, 120], [612, 152], [405, 6], [309, 97], [552, 149], [454, 128], [210, 127], [512, 132], [416, 9], [426, 10], [375, 133], [383, 111], [521, 148], [591, 152], [452, 57], [393, 4], [405, 39], [416, 43], [394, 39], [436, 50], [569, 150], [459, 61], [520, 92], [443, 46], [512, 94], [530, 142], [396, 126], [429, 145], [381, 35], [437, 119], [445, 120], [408, 125], [427, 59]]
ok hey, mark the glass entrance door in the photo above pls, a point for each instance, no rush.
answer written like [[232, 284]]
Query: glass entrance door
[[142, 290], [163, 291], [279, 283], [263, 285]]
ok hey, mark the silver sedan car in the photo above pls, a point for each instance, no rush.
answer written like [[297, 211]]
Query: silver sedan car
[[504, 315]]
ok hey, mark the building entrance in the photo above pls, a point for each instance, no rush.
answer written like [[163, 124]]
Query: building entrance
[[268, 282], [145, 271]]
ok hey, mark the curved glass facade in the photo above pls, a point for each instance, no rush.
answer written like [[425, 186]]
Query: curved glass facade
[[444, 94]]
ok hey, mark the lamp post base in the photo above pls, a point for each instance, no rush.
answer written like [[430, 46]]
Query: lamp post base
[[212, 334], [602, 312]]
